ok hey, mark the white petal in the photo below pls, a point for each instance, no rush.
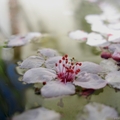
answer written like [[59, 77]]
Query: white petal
[[16, 41], [114, 38], [114, 47], [39, 75], [95, 39], [108, 66], [47, 52], [97, 111], [101, 28], [30, 36], [56, 88], [113, 79], [115, 26], [38, 114], [93, 19], [90, 67], [32, 62], [90, 81], [78, 35], [50, 62]]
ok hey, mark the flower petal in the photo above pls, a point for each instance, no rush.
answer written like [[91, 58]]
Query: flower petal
[[108, 66], [38, 114], [55, 89], [78, 35], [113, 79], [32, 62], [47, 52], [95, 39], [32, 35], [90, 67], [90, 81], [50, 62], [16, 41], [114, 47], [36, 75]]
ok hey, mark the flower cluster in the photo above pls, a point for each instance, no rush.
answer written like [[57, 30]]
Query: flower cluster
[[105, 29]]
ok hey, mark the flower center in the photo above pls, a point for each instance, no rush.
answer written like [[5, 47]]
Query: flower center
[[66, 69]]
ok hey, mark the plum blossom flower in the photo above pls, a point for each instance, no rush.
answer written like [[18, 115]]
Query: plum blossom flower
[[93, 19], [61, 79], [78, 35], [95, 39], [97, 111], [18, 40], [38, 114]]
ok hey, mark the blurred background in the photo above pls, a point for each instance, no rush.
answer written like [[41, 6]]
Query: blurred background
[[56, 18]]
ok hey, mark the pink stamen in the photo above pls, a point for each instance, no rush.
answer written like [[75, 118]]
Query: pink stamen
[[67, 70]]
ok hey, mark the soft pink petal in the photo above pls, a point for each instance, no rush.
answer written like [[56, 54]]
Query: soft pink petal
[[32, 62], [56, 88], [38, 75], [90, 67], [90, 81]]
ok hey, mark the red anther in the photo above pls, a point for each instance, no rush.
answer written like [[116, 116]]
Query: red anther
[[72, 71], [116, 58], [63, 65], [80, 64], [60, 61], [66, 56], [44, 83], [56, 64], [106, 47], [63, 58], [105, 55]]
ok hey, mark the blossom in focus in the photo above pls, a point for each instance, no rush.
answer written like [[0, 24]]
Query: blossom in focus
[[61, 79]]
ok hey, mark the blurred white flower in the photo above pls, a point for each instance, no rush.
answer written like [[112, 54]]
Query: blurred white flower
[[93, 19], [113, 79], [78, 35], [18, 40], [97, 111], [95, 39], [38, 114]]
